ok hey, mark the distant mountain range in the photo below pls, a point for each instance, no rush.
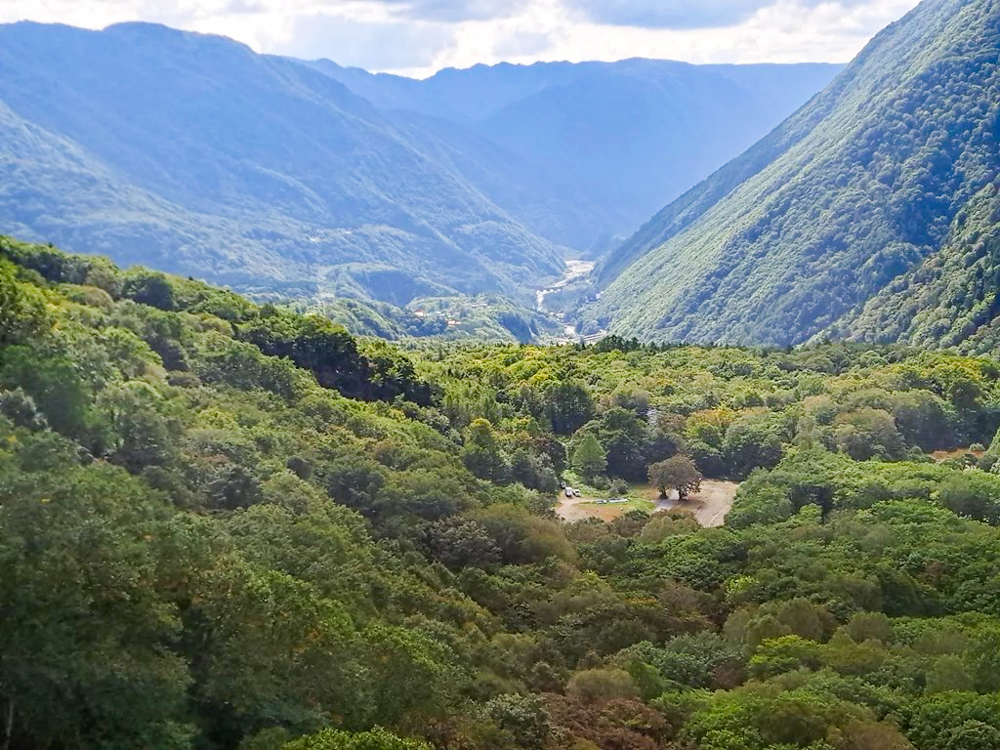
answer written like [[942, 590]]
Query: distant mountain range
[[196, 155], [871, 213], [623, 138], [193, 154]]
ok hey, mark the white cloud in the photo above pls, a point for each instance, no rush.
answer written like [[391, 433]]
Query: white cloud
[[420, 36], [389, 44]]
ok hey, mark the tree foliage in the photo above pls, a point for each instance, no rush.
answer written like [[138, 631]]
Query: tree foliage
[[678, 473], [204, 546]]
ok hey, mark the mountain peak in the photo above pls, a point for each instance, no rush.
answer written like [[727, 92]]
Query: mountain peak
[[160, 33]]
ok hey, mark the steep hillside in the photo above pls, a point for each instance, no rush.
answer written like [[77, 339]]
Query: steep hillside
[[951, 298], [616, 140], [852, 191], [641, 132], [550, 203], [241, 168], [50, 186]]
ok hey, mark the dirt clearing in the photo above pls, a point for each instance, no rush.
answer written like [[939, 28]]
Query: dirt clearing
[[709, 506], [580, 508]]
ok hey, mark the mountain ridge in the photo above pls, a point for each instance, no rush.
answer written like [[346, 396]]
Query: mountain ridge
[[294, 163], [267, 174], [853, 190], [630, 134]]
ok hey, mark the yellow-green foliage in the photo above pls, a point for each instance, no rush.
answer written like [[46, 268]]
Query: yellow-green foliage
[[206, 543]]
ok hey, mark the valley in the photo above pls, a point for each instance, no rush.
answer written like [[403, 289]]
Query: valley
[[575, 271], [529, 405], [294, 180]]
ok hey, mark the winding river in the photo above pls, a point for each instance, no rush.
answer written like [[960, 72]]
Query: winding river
[[575, 270]]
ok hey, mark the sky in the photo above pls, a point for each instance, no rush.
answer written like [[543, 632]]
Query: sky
[[419, 37]]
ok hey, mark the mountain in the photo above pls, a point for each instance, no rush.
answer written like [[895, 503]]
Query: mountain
[[951, 298], [195, 155], [876, 177], [546, 202], [620, 138]]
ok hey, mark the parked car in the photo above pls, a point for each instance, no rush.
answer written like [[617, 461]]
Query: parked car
[[577, 493], [569, 492]]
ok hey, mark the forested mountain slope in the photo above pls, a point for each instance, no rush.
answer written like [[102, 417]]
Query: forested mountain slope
[[195, 155], [549, 203], [852, 191], [621, 138], [228, 527], [951, 298]]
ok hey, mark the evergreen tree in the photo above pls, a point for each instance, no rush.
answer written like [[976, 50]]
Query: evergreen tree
[[590, 459]]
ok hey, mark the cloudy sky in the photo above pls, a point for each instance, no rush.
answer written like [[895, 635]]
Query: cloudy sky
[[417, 37]]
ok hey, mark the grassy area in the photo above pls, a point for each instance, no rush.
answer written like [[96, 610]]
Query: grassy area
[[639, 495], [644, 491]]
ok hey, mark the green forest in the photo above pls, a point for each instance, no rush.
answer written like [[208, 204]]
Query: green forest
[[860, 214], [228, 526]]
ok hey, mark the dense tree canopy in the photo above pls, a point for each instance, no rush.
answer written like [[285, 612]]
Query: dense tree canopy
[[210, 543]]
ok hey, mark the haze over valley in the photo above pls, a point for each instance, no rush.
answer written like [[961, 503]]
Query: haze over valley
[[193, 154], [490, 402]]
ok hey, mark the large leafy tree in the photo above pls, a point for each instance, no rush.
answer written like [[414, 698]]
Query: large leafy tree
[[623, 435], [678, 473], [21, 306], [568, 406], [481, 454]]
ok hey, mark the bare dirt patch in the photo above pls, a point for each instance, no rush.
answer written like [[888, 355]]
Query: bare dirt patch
[[709, 506], [945, 455]]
